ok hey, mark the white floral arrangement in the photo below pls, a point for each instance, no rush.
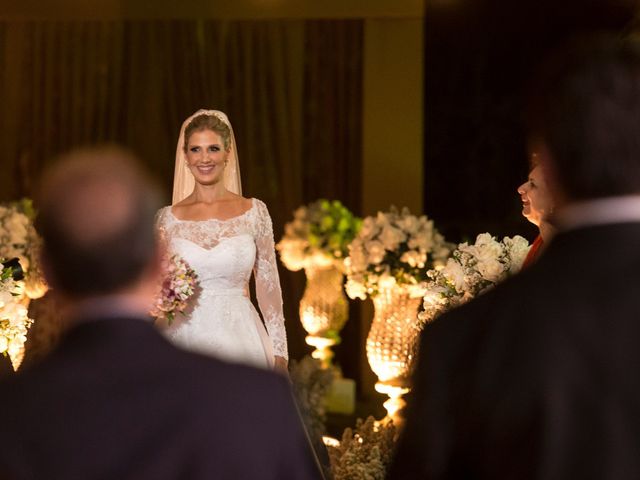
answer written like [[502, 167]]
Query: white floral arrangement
[[394, 248], [311, 384], [319, 234], [364, 452], [14, 320], [472, 270], [19, 239], [179, 284]]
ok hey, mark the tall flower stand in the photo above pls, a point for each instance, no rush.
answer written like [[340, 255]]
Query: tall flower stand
[[323, 313], [323, 309], [392, 345]]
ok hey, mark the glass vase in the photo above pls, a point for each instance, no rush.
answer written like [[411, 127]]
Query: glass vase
[[392, 344], [323, 309]]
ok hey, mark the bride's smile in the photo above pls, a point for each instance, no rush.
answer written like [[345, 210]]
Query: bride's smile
[[206, 156]]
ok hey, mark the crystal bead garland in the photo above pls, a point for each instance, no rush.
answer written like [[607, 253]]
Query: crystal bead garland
[[323, 309], [392, 344]]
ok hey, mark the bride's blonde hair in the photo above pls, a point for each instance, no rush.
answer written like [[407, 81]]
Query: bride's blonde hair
[[208, 122]]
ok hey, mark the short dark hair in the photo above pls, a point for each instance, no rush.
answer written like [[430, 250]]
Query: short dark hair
[[585, 108], [96, 217]]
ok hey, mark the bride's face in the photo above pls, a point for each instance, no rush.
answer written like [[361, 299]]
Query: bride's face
[[206, 156]]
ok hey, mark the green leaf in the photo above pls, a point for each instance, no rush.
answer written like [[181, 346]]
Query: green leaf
[[327, 223]]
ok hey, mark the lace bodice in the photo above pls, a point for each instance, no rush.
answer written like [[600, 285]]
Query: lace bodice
[[225, 252]]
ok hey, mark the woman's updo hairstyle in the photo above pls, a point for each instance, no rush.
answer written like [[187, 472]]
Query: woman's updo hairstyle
[[208, 122]]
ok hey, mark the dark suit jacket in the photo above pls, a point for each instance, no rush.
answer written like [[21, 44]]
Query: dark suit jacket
[[537, 379], [117, 401]]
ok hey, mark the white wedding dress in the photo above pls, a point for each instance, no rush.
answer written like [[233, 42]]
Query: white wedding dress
[[221, 320]]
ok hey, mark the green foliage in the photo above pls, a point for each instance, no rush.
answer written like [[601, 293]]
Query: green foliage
[[331, 227], [323, 228]]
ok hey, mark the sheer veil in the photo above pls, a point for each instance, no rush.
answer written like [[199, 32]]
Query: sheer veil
[[183, 181]]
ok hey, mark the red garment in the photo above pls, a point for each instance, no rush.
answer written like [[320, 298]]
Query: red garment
[[534, 252]]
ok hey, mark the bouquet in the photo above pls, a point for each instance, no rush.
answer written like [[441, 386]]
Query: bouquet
[[319, 233], [18, 238], [178, 286], [14, 321], [393, 248], [472, 270]]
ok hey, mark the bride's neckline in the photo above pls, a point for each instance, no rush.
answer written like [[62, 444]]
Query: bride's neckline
[[212, 219]]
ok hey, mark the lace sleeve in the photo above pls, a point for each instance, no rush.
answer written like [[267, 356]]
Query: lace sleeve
[[268, 289], [160, 225]]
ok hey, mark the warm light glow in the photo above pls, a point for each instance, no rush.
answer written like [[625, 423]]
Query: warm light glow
[[314, 320], [35, 289], [330, 441], [323, 349], [16, 356], [395, 402]]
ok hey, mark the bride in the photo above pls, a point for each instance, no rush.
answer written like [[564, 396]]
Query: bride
[[224, 237]]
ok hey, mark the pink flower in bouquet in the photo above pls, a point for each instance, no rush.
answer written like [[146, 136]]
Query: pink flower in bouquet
[[178, 286]]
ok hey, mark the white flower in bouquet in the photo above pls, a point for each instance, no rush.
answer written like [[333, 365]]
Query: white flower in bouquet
[[376, 251], [391, 237], [355, 288], [518, 248], [472, 270], [454, 272], [358, 260], [318, 235], [393, 249], [488, 253], [409, 224], [369, 227], [415, 258]]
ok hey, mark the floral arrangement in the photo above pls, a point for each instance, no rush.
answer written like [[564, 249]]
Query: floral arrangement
[[311, 384], [14, 321], [178, 286], [319, 233], [19, 239], [472, 270], [365, 452], [393, 248]]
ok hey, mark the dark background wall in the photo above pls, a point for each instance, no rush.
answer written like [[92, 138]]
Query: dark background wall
[[479, 55]]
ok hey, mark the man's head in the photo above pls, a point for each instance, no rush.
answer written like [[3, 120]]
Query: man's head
[[584, 118], [96, 217]]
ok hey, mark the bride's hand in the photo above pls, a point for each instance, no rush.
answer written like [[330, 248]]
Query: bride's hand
[[280, 365]]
